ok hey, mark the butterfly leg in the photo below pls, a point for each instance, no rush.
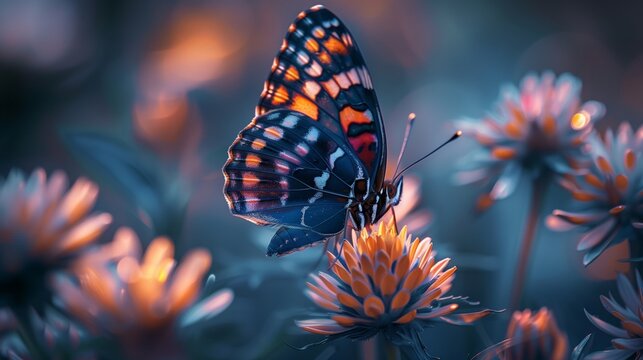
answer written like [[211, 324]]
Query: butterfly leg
[[323, 254], [394, 219], [339, 251]]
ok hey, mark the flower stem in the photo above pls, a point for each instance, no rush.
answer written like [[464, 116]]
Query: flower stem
[[27, 333], [636, 252], [391, 351], [369, 348], [537, 193]]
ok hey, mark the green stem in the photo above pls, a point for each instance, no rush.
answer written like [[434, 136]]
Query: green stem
[[537, 193]]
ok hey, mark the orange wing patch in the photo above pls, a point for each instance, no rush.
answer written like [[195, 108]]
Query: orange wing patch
[[258, 144], [249, 179], [312, 45], [349, 116], [319, 32], [292, 74], [280, 96], [324, 57], [335, 46], [305, 106], [252, 161]]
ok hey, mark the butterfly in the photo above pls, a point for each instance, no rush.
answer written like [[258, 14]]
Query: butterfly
[[314, 156]]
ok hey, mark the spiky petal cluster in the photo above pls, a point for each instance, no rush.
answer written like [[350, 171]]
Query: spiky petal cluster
[[530, 336], [384, 281], [628, 337], [43, 225], [59, 338], [610, 194], [535, 130], [131, 295]]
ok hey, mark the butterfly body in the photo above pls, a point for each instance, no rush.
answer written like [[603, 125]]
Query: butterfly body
[[370, 206], [314, 156]]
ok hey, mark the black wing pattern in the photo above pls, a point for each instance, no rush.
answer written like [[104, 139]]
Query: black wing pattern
[[320, 72], [317, 129]]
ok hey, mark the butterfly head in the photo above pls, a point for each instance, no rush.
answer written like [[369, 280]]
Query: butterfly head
[[392, 191]]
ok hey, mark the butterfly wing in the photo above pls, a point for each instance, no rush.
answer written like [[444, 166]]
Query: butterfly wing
[[287, 169], [320, 72]]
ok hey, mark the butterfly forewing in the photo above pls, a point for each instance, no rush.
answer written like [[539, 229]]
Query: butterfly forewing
[[320, 72], [287, 169], [317, 132]]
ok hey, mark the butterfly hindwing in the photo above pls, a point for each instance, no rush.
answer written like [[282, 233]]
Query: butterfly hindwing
[[287, 240], [320, 72], [286, 169]]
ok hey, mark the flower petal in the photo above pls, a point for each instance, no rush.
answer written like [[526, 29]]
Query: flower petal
[[438, 312], [507, 182], [467, 318], [606, 327], [207, 308], [321, 326], [610, 355], [596, 235], [629, 296], [629, 344], [578, 218], [557, 224]]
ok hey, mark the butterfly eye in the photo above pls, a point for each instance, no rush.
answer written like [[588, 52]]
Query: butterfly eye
[[391, 191]]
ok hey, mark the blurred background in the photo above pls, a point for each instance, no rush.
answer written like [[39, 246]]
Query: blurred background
[[164, 87]]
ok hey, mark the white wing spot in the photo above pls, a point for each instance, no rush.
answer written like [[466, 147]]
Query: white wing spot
[[312, 135], [311, 89], [354, 78], [302, 58], [320, 181], [281, 167], [342, 80], [303, 213], [314, 70], [302, 149], [334, 156], [274, 133], [315, 197], [290, 121], [360, 172]]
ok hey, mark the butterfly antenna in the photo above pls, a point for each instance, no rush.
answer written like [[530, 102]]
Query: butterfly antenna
[[407, 133], [455, 136]]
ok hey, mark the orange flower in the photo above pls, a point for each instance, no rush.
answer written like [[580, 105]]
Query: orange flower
[[538, 128], [132, 296], [530, 336], [609, 194], [43, 225], [384, 281]]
